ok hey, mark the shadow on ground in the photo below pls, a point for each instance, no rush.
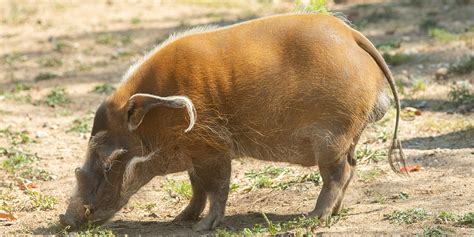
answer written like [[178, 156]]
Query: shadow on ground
[[453, 140], [235, 223]]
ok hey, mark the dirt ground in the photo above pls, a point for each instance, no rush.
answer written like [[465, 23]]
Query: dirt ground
[[85, 47]]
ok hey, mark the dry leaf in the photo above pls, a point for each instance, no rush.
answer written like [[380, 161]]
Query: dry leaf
[[27, 185], [6, 217], [411, 168]]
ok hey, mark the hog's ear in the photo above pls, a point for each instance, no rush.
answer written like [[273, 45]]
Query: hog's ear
[[140, 104]]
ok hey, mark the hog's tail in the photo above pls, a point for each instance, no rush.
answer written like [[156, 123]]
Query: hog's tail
[[393, 158]]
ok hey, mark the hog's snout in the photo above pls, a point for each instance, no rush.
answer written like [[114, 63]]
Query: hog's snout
[[68, 220]]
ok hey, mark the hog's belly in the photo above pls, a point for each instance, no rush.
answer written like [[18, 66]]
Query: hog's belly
[[294, 147]]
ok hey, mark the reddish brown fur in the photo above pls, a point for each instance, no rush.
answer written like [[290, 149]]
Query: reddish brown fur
[[298, 88]]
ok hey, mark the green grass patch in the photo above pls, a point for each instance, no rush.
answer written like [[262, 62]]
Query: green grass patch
[[16, 161], [434, 231], [408, 216], [445, 217], [443, 35], [16, 93], [371, 175], [464, 67], [460, 94], [271, 177], [397, 59], [105, 39], [135, 20], [20, 165], [387, 46], [45, 76], [265, 178], [179, 189], [314, 5], [61, 46], [466, 220], [92, 230], [298, 226], [375, 196], [418, 85], [16, 137], [81, 125], [50, 62], [41, 201], [369, 155], [57, 96], [30, 173]]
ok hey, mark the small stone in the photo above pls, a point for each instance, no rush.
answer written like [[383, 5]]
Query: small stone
[[41, 134], [441, 73]]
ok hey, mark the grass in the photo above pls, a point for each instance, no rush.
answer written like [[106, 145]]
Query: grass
[[408, 216], [45, 76], [271, 177], [445, 217], [464, 67], [369, 155], [466, 219], [371, 175], [443, 35], [434, 231], [5, 201], [19, 164], [375, 196], [314, 177], [105, 39], [81, 125], [179, 189], [135, 20], [57, 96], [314, 5], [418, 85], [17, 160], [95, 231], [233, 187], [61, 46], [265, 178], [36, 174], [460, 94], [41, 201], [298, 226], [16, 93], [397, 59], [16, 137], [50, 62], [388, 45]]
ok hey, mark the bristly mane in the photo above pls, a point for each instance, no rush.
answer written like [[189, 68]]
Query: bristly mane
[[174, 36], [208, 28]]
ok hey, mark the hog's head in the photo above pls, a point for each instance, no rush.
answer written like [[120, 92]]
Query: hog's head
[[108, 179]]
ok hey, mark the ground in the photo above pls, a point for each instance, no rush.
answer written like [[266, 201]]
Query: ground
[[59, 61]]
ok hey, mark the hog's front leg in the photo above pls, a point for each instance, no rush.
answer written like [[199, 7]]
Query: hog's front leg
[[213, 175], [198, 201]]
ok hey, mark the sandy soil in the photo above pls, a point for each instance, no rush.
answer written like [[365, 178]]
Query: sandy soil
[[83, 45]]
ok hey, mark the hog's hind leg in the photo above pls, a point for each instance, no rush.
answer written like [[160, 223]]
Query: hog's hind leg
[[214, 177], [336, 171], [351, 166], [198, 201]]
